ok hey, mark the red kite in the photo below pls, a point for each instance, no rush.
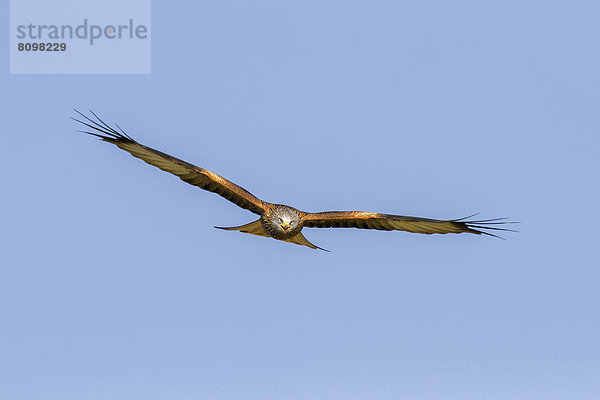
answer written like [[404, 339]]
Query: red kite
[[277, 220]]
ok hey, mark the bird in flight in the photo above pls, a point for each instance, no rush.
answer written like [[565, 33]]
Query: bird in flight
[[279, 221]]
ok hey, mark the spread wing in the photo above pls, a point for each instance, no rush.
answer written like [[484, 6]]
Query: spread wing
[[387, 222], [187, 172]]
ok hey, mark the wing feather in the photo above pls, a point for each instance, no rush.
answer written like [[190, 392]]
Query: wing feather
[[187, 172], [388, 222]]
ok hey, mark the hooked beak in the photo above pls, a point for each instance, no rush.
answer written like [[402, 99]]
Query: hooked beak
[[285, 227]]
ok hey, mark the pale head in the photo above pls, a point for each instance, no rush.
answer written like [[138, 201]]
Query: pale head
[[283, 221]]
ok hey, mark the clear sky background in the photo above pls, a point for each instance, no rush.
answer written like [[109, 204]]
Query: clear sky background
[[115, 285]]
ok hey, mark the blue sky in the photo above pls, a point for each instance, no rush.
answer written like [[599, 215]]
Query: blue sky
[[115, 285]]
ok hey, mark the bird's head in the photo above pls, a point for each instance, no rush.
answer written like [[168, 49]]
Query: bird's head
[[285, 220], [285, 223]]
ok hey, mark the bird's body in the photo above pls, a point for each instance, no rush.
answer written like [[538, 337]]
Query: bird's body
[[280, 221]]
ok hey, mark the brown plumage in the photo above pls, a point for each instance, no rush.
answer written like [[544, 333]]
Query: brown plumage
[[276, 220]]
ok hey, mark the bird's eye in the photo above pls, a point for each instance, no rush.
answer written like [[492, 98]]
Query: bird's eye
[[291, 223], [280, 221]]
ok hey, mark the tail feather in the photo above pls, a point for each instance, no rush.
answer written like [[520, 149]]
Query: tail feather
[[256, 228], [301, 240]]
